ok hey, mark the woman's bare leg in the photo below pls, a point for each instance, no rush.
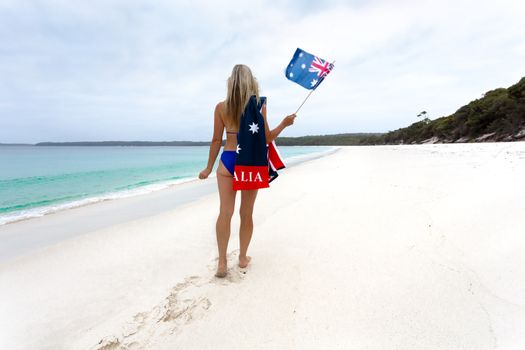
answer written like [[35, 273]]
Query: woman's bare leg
[[227, 206], [246, 229]]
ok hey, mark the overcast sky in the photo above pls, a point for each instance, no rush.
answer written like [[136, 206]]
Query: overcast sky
[[154, 70]]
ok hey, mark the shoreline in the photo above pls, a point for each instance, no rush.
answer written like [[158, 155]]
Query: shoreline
[[8, 218], [22, 236]]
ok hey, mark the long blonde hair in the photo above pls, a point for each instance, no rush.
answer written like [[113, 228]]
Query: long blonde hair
[[241, 85]]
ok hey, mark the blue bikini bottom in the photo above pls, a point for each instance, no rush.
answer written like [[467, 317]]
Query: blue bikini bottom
[[228, 159]]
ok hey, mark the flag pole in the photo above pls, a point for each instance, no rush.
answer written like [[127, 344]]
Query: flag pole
[[304, 101], [309, 95]]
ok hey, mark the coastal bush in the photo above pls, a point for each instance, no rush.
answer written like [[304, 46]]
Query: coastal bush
[[500, 111]]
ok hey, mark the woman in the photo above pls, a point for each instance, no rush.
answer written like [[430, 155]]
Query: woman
[[241, 85]]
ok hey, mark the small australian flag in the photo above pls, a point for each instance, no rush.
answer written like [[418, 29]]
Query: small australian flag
[[307, 70]]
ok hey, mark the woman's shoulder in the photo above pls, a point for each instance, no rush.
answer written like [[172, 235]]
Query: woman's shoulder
[[220, 105], [220, 108]]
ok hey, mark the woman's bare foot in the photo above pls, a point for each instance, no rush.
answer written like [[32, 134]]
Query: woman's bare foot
[[221, 269], [244, 261]]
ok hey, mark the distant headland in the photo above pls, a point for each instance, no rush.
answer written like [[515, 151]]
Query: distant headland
[[498, 116]]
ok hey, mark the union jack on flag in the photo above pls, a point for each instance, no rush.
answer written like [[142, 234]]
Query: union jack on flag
[[307, 70], [322, 68]]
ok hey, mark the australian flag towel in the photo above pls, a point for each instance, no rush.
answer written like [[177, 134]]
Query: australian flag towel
[[256, 162]]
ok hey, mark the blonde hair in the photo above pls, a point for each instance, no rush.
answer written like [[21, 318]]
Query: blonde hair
[[241, 85]]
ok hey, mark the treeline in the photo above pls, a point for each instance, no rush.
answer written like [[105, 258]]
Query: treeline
[[498, 116], [347, 139], [317, 140]]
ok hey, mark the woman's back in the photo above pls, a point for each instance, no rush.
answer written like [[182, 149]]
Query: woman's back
[[231, 133]]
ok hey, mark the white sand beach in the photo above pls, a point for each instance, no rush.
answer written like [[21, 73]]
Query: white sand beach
[[380, 247]]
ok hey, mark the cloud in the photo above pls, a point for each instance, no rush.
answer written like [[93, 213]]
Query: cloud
[[120, 70]]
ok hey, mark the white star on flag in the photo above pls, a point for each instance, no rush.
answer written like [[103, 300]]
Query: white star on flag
[[254, 128], [314, 81], [303, 66], [238, 149]]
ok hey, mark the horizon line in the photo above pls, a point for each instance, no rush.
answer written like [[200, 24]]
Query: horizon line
[[283, 137]]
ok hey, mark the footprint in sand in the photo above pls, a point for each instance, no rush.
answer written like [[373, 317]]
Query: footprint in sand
[[179, 308], [235, 273], [186, 302]]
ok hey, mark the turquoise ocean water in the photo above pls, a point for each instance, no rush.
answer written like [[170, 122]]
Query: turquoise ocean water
[[36, 180]]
